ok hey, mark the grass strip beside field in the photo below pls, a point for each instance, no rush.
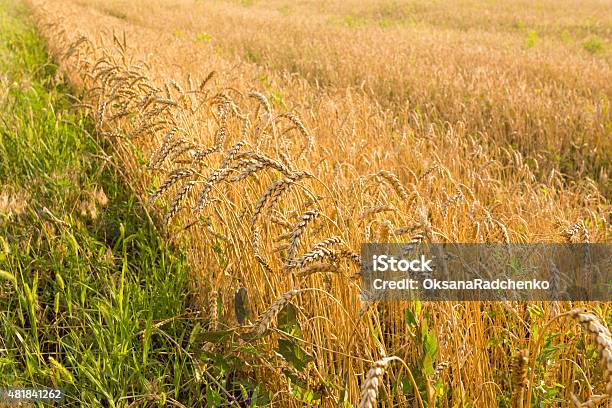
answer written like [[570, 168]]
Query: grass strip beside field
[[88, 290]]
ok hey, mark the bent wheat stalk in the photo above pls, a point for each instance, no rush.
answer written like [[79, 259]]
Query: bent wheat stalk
[[177, 200], [173, 177], [395, 182], [599, 334], [255, 242], [297, 232], [300, 125], [262, 324], [373, 380], [273, 193], [519, 377]]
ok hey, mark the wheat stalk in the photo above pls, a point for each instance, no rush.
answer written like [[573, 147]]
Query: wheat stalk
[[298, 123], [395, 182], [172, 178], [231, 153], [572, 231], [327, 242], [458, 196], [319, 267], [298, 230], [167, 151], [263, 101], [176, 201], [255, 242], [440, 367], [214, 178], [405, 229], [373, 380], [310, 257], [593, 402], [281, 222], [600, 335], [206, 80], [273, 193], [520, 367], [375, 210], [350, 255], [154, 160], [262, 324], [504, 231], [267, 161], [247, 168], [202, 153], [213, 321], [428, 171], [384, 232]]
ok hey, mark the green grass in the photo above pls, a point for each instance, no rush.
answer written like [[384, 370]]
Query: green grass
[[91, 299], [593, 45], [115, 12]]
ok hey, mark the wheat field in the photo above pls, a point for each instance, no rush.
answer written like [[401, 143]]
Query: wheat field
[[271, 139]]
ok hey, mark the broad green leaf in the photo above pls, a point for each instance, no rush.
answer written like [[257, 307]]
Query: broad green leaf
[[406, 385], [410, 318], [215, 336], [428, 369], [213, 398], [241, 305], [430, 344], [288, 320], [293, 353]]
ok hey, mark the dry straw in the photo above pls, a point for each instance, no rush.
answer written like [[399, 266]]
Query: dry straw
[[255, 245], [319, 267]]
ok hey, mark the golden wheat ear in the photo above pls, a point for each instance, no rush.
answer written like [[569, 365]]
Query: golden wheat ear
[[520, 367], [373, 380], [299, 229], [600, 335], [262, 324]]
